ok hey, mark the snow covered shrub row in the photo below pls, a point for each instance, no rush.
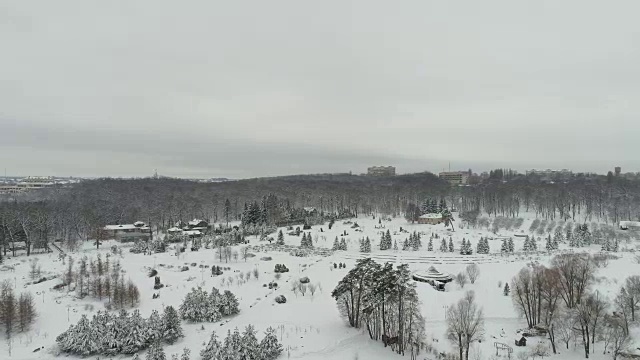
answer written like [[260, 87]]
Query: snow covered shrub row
[[199, 306], [123, 334], [243, 346]]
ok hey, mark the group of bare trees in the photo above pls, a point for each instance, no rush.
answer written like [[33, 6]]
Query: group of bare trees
[[100, 279], [562, 300], [465, 324], [16, 314]]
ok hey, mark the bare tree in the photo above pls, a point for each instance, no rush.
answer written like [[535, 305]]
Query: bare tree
[[295, 287], [617, 339], [576, 272], [461, 279], [632, 294], [26, 311], [256, 274], [7, 307], [564, 327], [551, 303], [526, 288], [465, 324], [302, 288], [312, 289], [473, 272], [245, 253]]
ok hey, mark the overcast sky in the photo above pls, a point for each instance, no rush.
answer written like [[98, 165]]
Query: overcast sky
[[259, 88]]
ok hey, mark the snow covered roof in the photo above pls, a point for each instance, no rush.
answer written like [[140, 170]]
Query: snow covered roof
[[192, 232], [431, 216], [120, 227], [195, 222], [433, 274], [174, 229]]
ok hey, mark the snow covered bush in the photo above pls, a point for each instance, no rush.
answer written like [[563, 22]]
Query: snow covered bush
[[280, 299], [199, 306]]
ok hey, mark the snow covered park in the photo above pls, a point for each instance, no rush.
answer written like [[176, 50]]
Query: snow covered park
[[306, 321]]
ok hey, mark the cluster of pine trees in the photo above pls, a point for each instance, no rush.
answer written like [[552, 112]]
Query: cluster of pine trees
[[507, 246], [15, 313], [385, 241], [340, 245], [122, 334], [483, 246], [414, 242], [100, 279], [306, 241], [280, 240], [552, 243], [530, 244], [465, 248], [384, 300], [243, 346], [199, 306], [447, 248], [365, 245]]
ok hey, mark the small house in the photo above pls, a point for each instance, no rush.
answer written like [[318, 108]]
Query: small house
[[430, 219], [129, 232], [521, 342], [198, 224]]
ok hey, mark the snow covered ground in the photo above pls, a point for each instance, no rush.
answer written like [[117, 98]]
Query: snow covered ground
[[309, 326]]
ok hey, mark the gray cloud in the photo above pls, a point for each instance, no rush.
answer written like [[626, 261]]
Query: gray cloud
[[214, 88]]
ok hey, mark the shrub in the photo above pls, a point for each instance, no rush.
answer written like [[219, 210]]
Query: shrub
[[280, 299]]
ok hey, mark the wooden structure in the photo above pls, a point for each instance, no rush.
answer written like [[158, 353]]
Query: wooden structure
[[502, 347], [430, 219], [433, 277]]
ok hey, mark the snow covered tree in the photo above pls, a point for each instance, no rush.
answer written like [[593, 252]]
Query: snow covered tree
[[194, 306], [336, 244], [210, 352], [230, 304], [136, 334], [156, 352], [483, 246], [430, 245], [154, 327], [185, 354], [443, 246], [569, 237], [504, 248], [171, 328], [388, 240], [270, 348], [466, 249], [395, 245], [451, 248], [510, 246], [250, 349], [405, 245], [416, 244], [343, 244], [527, 244], [280, 240], [558, 237]]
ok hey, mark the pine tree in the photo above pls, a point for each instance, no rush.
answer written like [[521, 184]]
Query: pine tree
[[557, 236], [417, 244], [250, 349], [506, 289], [309, 241], [336, 244], [362, 245], [236, 342], [430, 245], [383, 243], [451, 249], [171, 328], [280, 240], [527, 244], [210, 352], [227, 351], [395, 245], [510, 246], [270, 348], [504, 248], [230, 304], [388, 240], [154, 327], [343, 244], [303, 241], [443, 246], [606, 245], [533, 245], [185, 354], [463, 247], [156, 352], [549, 244], [136, 335], [405, 245], [569, 237], [367, 245]]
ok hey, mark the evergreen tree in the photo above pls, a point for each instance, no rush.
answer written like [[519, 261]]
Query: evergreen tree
[[367, 245], [230, 304], [227, 351], [336, 244], [463, 246], [280, 240], [557, 236], [606, 245], [185, 354], [362, 245], [504, 248], [136, 336], [303, 241], [270, 348], [443, 245], [395, 245], [533, 245], [156, 352], [250, 349], [510, 246], [430, 245], [171, 328], [383, 243], [388, 240], [417, 244], [506, 289], [309, 241], [451, 248], [527, 244], [405, 245], [569, 237], [549, 244], [343, 244], [210, 352]]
